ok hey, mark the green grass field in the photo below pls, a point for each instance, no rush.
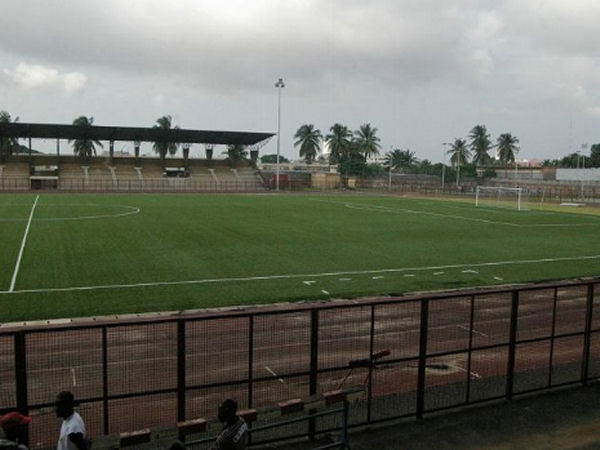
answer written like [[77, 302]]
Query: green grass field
[[102, 254]]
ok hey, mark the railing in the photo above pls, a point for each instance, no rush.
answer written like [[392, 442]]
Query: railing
[[446, 350]]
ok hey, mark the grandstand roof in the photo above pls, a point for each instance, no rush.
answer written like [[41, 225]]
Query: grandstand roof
[[103, 133]]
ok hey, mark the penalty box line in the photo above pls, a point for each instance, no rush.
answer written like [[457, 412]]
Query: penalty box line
[[297, 276]]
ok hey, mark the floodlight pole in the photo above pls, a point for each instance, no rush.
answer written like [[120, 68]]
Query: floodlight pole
[[280, 84], [444, 165]]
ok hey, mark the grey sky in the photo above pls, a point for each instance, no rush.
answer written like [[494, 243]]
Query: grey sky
[[422, 71]]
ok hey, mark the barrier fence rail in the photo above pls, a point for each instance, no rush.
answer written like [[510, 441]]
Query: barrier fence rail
[[414, 355]]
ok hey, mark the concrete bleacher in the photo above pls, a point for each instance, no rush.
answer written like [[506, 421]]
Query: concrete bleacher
[[71, 176], [14, 176]]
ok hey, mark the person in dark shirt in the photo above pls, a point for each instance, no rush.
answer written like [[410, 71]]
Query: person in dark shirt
[[235, 431]]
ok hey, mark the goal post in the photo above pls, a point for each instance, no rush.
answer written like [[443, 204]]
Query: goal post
[[502, 197]]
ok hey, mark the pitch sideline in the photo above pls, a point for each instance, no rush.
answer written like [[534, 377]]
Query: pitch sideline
[[298, 276]]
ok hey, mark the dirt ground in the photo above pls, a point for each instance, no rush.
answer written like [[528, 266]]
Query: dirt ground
[[567, 419]]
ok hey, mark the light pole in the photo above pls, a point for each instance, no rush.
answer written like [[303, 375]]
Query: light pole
[[444, 165], [280, 84]]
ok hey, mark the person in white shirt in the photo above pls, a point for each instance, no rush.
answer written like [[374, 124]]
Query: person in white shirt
[[72, 430]]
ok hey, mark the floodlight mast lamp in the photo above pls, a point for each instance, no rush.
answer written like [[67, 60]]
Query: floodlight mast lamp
[[280, 84]]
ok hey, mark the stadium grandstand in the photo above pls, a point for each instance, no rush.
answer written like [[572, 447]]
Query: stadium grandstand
[[28, 169]]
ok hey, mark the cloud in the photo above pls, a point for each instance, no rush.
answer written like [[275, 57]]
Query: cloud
[[34, 76]]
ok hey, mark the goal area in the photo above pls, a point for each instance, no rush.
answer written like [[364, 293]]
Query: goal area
[[502, 197]]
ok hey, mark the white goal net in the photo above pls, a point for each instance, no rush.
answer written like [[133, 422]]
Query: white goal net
[[502, 197]]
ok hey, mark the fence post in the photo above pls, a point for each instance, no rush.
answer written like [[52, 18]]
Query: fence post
[[21, 377], [587, 338], [512, 345], [180, 370], [105, 420], [314, 365], [370, 375], [422, 358]]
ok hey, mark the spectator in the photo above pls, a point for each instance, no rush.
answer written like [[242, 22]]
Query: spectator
[[72, 430], [235, 432], [13, 425]]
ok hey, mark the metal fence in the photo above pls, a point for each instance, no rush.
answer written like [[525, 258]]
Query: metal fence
[[446, 350]]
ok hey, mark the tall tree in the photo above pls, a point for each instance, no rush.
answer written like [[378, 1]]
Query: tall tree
[[595, 155], [165, 147], [339, 141], [480, 145], [308, 138], [367, 141], [85, 147], [459, 156], [7, 144], [235, 154], [400, 160], [507, 148]]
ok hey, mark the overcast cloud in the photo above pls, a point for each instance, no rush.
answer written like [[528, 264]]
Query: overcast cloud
[[422, 71]]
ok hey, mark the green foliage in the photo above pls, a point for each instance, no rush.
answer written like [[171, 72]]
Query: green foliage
[[400, 160], [490, 172], [366, 140], [308, 138], [339, 140], [85, 148], [236, 154], [165, 147], [507, 148], [272, 159], [7, 145], [374, 170], [480, 145], [594, 160]]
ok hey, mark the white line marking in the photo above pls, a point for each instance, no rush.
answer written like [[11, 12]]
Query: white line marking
[[268, 369], [498, 279], [378, 278], [73, 376], [473, 374], [309, 282], [438, 273], [409, 275], [451, 216], [474, 330], [23, 242], [325, 292], [302, 275], [133, 211], [345, 279], [469, 271]]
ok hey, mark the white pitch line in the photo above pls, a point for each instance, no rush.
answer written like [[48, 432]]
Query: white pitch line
[[309, 282], [408, 275], [438, 273], [268, 369], [325, 292], [296, 276], [474, 330], [23, 242], [498, 279], [377, 278], [469, 271], [345, 279], [397, 210]]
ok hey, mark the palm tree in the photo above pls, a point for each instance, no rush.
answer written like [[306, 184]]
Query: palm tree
[[164, 147], [236, 153], [460, 155], [308, 138], [7, 144], [400, 159], [366, 140], [507, 148], [85, 147], [339, 141], [480, 145]]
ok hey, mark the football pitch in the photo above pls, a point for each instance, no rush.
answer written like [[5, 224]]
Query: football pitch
[[88, 255]]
